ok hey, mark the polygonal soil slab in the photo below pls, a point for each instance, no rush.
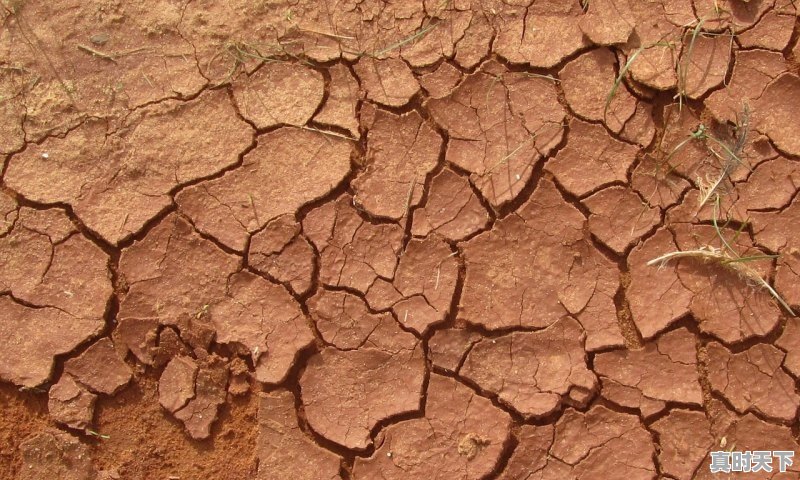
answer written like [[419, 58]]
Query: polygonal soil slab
[[282, 253], [684, 438], [346, 393], [117, 179], [461, 437], [500, 125], [279, 93], [664, 370], [401, 152], [55, 285], [54, 454], [289, 168], [536, 266], [388, 82], [753, 380], [534, 372], [284, 451]]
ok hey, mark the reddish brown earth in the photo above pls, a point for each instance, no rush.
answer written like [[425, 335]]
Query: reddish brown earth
[[397, 240]]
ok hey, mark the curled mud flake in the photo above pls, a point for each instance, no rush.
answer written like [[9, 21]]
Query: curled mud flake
[[452, 210], [343, 319], [534, 372], [500, 126], [284, 172], [461, 437], [790, 342], [607, 22], [531, 458], [340, 107], [284, 451], [619, 217], [587, 81], [772, 32], [631, 397], [752, 72], [684, 437], [54, 454], [447, 348], [773, 113], [137, 335], [71, 404], [347, 393], [176, 384], [771, 185], [442, 81], [703, 63], [601, 441], [100, 368], [116, 182], [353, 252], [426, 279], [68, 77], [664, 370], [401, 152], [209, 393], [282, 253], [262, 321], [173, 275], [279, 93], [753, 380], [728, 305], [592, 158], [541, 35], [388, 82]]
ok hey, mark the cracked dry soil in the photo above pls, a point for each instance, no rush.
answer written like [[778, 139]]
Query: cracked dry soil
[[396, 240]]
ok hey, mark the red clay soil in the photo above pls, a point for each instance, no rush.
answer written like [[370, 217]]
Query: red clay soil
[[397, 240]]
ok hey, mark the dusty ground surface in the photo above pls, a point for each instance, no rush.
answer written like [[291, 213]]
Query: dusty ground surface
[[400, 240]]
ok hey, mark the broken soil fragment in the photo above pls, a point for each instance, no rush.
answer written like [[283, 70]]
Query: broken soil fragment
[[244, 200], [664, 370], [57, 285], [500, 125], [607, 22], [282, 253], [347, 393], [284, 450], [197, 402], [461, 437], [448, 347], [753, 380], [71, 404], [54, 454], [343, 319], [703, 63], [279, 93], [534, 372], [401, 151], [100, 368], [773, 113]]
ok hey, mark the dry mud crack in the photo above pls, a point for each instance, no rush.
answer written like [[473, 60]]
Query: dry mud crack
[[397, 240]]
